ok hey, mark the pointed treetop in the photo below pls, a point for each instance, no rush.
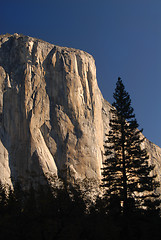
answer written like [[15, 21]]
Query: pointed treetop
[[122, 101]]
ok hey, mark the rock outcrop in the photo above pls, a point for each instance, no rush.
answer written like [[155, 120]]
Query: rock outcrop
[[51, 111], [53, 117]]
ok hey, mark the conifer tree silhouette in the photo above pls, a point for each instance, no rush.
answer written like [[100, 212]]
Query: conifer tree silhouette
[[127, 175]]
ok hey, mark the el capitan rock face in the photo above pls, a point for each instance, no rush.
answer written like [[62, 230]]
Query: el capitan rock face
[[53, 117], [51, 111]]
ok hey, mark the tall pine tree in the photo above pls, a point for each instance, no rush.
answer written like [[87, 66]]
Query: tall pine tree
[[127, 174]]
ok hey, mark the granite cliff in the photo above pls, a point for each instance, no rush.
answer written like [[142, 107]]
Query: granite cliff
[[53, 117]]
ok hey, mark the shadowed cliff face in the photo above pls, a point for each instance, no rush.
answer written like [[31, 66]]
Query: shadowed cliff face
[[53, 118]]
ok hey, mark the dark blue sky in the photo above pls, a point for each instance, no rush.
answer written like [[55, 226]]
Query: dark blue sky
[[124, 37]]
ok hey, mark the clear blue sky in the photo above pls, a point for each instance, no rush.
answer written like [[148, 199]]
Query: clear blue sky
[[124, 36]]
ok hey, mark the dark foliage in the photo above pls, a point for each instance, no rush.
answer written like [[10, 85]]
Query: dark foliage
[[127, 176], [59, 213], [43, 213]]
